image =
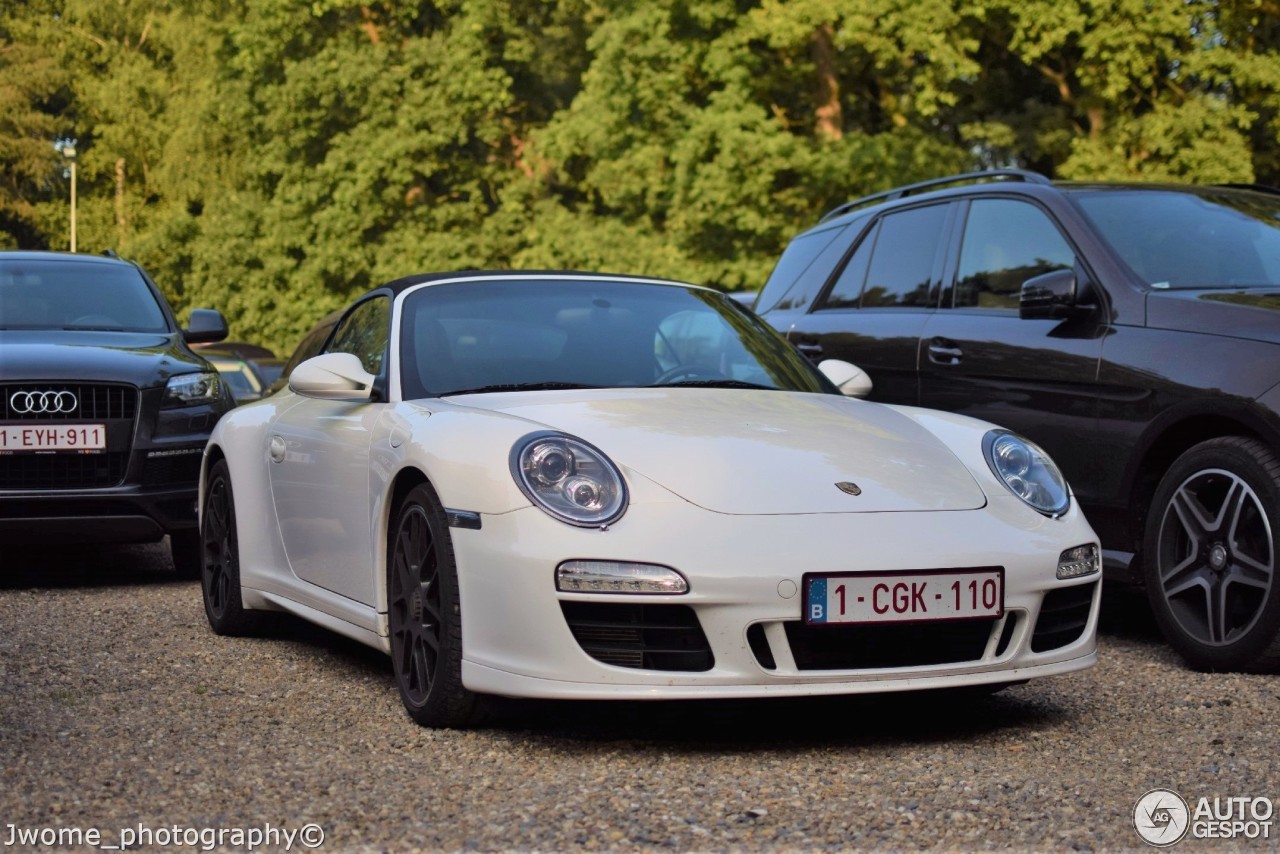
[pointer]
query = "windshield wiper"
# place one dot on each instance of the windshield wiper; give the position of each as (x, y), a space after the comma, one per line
(540, 386)
(720, 383)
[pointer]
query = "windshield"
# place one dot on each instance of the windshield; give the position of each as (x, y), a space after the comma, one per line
(1208, 239)
(70, 294)
(592, 333)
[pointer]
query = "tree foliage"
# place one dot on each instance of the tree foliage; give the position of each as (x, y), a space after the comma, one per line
(274, 159)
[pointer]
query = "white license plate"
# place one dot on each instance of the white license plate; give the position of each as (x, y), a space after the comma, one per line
(15, 438)
(892, 597)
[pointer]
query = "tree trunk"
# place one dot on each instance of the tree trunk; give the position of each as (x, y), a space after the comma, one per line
(121, 223)
(829, 124)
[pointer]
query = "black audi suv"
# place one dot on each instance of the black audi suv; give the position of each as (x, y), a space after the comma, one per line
(1132, 330)
(104, 409)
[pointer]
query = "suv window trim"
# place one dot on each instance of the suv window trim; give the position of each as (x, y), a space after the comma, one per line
(836, 231)
(940, 259)
(1085, 286)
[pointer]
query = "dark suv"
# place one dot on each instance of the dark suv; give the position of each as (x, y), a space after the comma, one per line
(1132, 330)
(104, 410)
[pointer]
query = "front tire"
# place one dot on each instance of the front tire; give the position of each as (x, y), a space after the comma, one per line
(1211, 549)
(220, 574)
(424, 612)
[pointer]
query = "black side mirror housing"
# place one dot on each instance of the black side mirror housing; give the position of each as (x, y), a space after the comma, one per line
(206, 327)
(1050, 296)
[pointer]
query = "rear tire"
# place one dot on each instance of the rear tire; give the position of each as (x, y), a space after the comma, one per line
(220, 573)
(424, 612)
(1211, 549)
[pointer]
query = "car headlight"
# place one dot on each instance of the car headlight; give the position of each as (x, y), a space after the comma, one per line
(569, 479)
(190, 389)
(1027, 471)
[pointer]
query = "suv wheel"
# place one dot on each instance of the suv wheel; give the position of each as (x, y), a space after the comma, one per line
(1211, 555)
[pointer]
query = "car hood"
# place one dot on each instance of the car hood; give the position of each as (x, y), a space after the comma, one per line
(758, 452)
(1252, 313)
(140, 358)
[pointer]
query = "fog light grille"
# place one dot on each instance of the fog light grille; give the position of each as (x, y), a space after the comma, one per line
(1064, 614)
(641, 636)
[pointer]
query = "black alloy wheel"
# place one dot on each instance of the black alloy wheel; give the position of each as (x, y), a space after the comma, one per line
(1210, 556)
(220, 575)
(425, 615)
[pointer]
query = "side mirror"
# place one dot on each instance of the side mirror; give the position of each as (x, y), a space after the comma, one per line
(206, 327)
(1050, 296)
(850, 379)
(333, 376)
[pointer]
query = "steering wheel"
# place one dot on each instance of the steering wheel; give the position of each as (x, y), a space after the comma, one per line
(688, 372)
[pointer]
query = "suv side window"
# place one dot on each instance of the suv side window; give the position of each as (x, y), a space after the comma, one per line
(802, 270)
(894, 264)
(365, 332)
(1005, 243)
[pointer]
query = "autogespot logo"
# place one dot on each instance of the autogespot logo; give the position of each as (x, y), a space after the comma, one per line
(1161, 817)
(43, 402)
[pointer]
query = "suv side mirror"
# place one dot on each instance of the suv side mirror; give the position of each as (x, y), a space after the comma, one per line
(206, 327)
(1050, 296)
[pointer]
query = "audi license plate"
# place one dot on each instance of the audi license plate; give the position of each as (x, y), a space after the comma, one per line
(52, 438)
(889, 597)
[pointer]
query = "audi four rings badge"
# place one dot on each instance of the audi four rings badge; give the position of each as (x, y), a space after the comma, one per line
(43, 402)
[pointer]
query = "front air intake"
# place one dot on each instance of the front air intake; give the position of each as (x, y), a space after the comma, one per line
(1064, 614)
(641, 636)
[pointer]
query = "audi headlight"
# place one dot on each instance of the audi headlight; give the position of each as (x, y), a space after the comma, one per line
(1027, 471)
(569, 479)
(190, 389)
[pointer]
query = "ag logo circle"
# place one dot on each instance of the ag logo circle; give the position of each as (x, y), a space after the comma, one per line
(43, 402)
(1161, 817)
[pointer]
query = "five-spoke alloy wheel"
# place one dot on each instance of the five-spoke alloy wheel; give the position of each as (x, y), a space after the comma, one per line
(425, 614)
(1211, 555)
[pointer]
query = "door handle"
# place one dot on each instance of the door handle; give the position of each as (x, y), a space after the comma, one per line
(811, 351)
(944, 352)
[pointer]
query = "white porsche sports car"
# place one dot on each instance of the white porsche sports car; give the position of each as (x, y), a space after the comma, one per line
(565, 485)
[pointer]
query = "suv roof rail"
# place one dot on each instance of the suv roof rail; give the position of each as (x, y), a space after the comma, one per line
(935, 183)
(1257, 188)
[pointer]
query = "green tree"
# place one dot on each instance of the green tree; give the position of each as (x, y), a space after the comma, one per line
(1131, 89)
(33, 95)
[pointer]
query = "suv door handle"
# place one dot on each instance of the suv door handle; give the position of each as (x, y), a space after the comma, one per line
(944, 352)
(811, 351)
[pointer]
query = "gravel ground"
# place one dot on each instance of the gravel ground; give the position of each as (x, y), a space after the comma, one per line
(119, 708)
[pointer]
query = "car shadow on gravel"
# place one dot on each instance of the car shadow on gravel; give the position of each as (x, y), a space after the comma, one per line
(811, 722)
(1126, 614)
(912, 717)
(58, 565)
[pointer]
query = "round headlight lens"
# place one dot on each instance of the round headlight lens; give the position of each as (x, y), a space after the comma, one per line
(569, 479)
(1027, 471)
(550, 463)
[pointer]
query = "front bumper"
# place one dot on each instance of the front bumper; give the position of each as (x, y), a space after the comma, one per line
(745, 579)
(124, 514)
(143, 485)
